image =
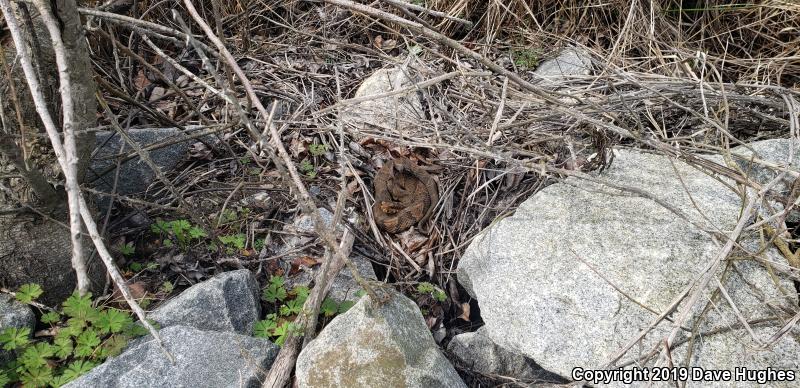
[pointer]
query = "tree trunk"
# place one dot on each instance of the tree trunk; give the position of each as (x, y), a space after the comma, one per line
(22, 131)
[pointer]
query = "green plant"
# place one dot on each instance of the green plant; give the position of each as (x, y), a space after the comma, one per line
(229, 215)
(127, 249)
(259, 243)
(28, 292)
(182, 230)
(139, 267)
(167, 287)
(277, 326)
(307, 168)
(84, 337)
(526, 58)
(233, 241)
(317, 149)
(275, 291)
(429, 289)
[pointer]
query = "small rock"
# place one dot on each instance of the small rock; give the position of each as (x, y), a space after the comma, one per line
(570, 62)
(305, 224)
(344, 286)
(477, 351)
(202, 359)
(228, 302)
(260, 200)
(371, 346)
(398, 112)
(14, 314)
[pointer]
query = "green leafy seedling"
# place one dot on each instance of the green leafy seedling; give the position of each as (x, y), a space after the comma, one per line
(167, 287)
(197, 233)
(160, 227)
(135, 267)
(183, 231)
(526, 58)
(51, 317)
(77, 369)
(317, 149)
(275, 291)
(127, 249)
(283, 331)
(88, 336)
(39, 377)
(301, 293)
(112, 321)
(14, 338)
(307, 168)
(329, 307)
(264, 328)
(232, 241)
(229, 215)
(345, 305)
(28, 292)
(259, 243)
(292, 307)
(433, 291)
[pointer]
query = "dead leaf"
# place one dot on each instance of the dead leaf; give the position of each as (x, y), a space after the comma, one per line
(141, 81)
(138, 291)
(297, 145)
(430, 322)
(306, 261)
(353, 187)
(464, 312)
(302, 262)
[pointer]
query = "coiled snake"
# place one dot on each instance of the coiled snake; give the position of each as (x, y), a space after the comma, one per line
(405, 195)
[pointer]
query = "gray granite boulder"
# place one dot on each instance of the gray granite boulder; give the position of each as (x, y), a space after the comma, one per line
(227, 302)
(371, 346)
(14, 314)
(35, 250)
(135, 175)
(202, 359)
(582, 268)
(397, 112)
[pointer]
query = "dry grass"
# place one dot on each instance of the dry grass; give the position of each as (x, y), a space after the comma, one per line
(748, 41)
